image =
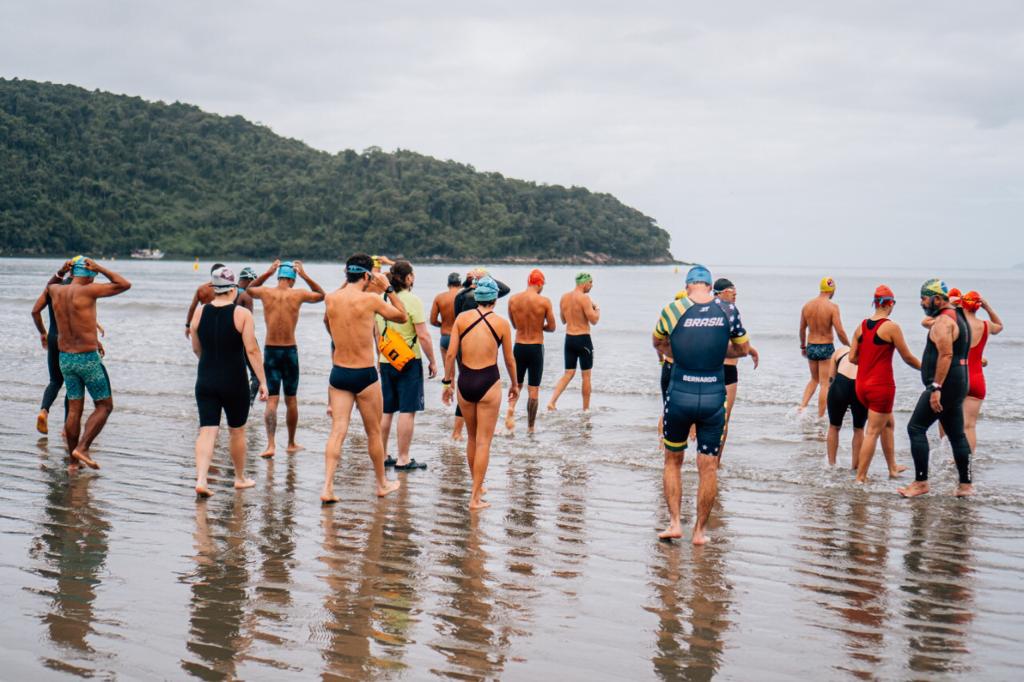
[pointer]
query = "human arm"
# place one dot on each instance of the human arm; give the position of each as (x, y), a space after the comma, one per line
(503, 289)
(191, 312)
(117, 284)
(392, 309)
(435, 312)
(941, 335)
(592, 312)
(549, 316)
(245, 300)
(739, 340)
(193, 331)
(995, 324)
(833, 367)
(837, 322)
(254, 286)
(855, 347)
(449, 365)
(423, 335)
(896, 332)
(37, 315)
(510, 365)
(661, 346)
(316, 292)
(738, 350)
(803, 332)
(252, 349)
(100, 329)
(927, 322)
(755, 356)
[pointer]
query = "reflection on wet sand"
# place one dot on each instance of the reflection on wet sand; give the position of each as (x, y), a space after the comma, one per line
(850, 538)
(72, 545)
(940, 606)
(372, 576)
(219, 593)
(693, 598)
(570, 519)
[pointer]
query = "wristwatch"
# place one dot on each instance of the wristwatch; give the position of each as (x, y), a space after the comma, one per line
(389, 290)
(935, 387)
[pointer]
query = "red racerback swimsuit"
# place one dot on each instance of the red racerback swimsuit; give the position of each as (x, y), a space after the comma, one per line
(876, 386)
(975, 373)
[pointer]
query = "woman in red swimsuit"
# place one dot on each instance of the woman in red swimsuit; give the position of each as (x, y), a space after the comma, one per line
(873, 344)
(972, 302)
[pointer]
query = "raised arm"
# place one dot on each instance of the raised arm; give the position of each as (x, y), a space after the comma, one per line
(254, 286)
(995, 324)
(392, 309)
(837, 322)
(503, 288)
(117, 284)
(316, 292)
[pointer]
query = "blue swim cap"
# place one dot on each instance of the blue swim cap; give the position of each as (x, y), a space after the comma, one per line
(486, 290)
(698, 274)
(286, 270)
(79, 269)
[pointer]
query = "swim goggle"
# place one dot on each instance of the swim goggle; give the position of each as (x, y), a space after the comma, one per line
(356, 270)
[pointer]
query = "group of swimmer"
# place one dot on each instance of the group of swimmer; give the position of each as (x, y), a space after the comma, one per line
(379, 339)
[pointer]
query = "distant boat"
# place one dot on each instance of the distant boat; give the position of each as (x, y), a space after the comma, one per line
(148, 254)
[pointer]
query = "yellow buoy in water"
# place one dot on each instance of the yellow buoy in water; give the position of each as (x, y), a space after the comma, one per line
(195, 266)
(677, 269)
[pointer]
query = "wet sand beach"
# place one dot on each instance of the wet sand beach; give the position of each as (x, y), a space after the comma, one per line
(122, 573)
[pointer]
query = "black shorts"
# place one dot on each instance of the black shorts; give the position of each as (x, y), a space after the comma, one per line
(281, 364)
(352, 380)
(529, 360)
(842, 396)
(579, 349)
(403, 391)
(732, 374)
(232, 399)
(666, 378)
(704, 408)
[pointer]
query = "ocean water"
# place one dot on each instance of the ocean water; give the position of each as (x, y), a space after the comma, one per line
(122, 573)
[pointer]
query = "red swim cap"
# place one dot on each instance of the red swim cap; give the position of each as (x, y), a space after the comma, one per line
(883, 295)
(536, 278)
(971, 301)
(954, 295)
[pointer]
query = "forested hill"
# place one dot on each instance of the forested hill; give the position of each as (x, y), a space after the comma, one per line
(104, 174)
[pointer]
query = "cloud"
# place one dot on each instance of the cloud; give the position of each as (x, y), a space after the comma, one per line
(870, 132)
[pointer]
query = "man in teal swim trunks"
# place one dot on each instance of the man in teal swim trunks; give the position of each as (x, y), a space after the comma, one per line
(818, 318)
(74, 308)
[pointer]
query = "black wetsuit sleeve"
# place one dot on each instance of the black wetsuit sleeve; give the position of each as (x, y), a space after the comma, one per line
(503, 289)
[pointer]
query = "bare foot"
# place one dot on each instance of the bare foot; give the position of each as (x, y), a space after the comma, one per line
(479, 504)
(964, 490)
(551, 407)
(41, 425)
(295, 447)
(244, 483)
(456, 436)
(914, 489)
(203, 491)
(269, 452)
(698, 537)
(860, 481)
(673, 532)
(899, 470)
(389, 487)
(82, 456)
(510, 423)
(328, 499)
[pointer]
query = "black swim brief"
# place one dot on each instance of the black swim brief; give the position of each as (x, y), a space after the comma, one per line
(732, 374)
(820, 351)
(352, 380)
(579, 349)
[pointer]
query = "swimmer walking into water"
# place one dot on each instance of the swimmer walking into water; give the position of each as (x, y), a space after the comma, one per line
(972, 302)
(476, 338)
(873, 344)
(223, 336)
(74, 308)
(726, 290)
(698, 332)
(578, 313)
(350, 319)
(531, 315)
(280, 354)
(818, 318)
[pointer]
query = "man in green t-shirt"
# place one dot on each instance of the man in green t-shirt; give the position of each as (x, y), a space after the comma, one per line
(403, 390)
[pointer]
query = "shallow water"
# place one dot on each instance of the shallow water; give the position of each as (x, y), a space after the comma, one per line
(121, 573)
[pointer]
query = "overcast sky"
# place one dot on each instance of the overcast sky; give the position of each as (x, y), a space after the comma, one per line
(799, 133)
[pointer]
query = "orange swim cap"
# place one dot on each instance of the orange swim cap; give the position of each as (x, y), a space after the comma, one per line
(884, 296)
(536, 278)
(971, 301)
(954, 295)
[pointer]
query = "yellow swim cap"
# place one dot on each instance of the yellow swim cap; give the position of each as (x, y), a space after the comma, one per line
(827, 285)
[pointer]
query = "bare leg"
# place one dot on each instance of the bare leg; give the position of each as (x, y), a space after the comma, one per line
(510, 414)
(97, 420)
(586, 389)
(291, 403)
(457, 428)
(270, 421)
(730, 400)
(406, 426)
(73, 425)
(237, 447)
(832, 445)
(707, 470)
(876, 422)
(532, 405)
(889, 448)
(341, 413)
(812, 384)
(823, 377)
(563, 381)
(469, 414)
(672, 483)
(204, 455)
(857, 444)
(972, 408)
(484, 419)
(371, 405)
(385, 432)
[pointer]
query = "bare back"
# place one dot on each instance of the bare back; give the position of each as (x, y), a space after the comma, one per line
(820, 316)
(281, 314)
(444, 303)
(74, 308)
(576, 308)
(350, 319)
(977, 328)
(531, 314)
(478, 347)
